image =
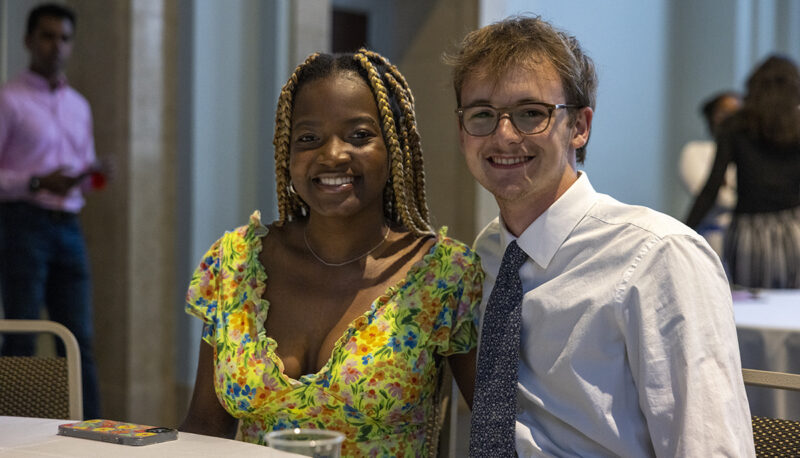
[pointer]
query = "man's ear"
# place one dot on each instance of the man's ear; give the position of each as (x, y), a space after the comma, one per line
(582, 127)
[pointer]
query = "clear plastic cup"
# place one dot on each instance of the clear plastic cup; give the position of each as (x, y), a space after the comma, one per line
(319, 443)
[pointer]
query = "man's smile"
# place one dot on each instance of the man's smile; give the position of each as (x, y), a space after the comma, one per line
(509, 161)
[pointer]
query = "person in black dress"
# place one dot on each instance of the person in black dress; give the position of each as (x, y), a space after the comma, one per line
(762, 247)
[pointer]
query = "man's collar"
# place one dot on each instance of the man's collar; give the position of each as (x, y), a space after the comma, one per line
(542, 239)
(40, 82)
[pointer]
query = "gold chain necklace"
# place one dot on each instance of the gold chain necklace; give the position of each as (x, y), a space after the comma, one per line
(338, 264)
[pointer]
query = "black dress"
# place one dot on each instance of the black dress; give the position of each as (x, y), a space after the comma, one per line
(762, 246)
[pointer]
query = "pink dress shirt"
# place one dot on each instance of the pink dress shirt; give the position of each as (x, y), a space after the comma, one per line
(41, 130)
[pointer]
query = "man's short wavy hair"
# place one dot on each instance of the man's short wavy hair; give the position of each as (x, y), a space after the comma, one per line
(494, 50)
(55, 10)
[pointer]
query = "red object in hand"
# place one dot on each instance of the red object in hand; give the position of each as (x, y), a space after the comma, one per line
(98, 180)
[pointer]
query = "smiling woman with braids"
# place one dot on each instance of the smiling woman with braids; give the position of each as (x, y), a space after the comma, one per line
(339, 315)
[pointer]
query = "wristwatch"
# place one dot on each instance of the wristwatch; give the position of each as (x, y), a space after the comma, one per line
(34, 184)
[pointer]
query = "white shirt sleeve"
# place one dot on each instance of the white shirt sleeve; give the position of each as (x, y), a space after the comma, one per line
(683, 350)
(695, 164)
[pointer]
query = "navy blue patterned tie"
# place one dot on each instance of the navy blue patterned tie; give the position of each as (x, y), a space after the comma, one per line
(494, 408)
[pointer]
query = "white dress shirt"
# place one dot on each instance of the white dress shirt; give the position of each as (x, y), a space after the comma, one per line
(695, 163)
(628, 345)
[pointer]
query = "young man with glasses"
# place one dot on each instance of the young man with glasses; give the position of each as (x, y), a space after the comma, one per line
(606, 329)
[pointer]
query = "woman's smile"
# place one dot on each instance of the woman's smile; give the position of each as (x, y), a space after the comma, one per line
(336, 183)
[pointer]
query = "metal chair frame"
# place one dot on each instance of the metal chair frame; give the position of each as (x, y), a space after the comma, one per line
(765, 429)
(73, 355)
(770, 379)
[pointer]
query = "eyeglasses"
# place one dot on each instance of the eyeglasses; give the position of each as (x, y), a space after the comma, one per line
(528, 118)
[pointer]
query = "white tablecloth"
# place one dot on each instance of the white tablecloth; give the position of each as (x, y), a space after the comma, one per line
(36, 437)
(768, 327)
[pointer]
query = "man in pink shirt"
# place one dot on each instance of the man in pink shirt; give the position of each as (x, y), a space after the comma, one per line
(46, 155)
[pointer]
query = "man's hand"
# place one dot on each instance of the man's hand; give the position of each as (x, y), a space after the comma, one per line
(105, 166)
(99, 173)
(58, 183)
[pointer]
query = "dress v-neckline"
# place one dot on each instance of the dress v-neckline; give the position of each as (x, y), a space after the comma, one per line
(260, 232)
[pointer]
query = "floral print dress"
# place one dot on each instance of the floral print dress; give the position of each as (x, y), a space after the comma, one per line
(379, 386)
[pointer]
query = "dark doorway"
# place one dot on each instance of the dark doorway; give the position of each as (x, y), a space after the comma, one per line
(349, 30)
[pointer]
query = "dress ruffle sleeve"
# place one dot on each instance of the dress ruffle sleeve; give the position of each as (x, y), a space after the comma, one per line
(460, 289)
(203, 293)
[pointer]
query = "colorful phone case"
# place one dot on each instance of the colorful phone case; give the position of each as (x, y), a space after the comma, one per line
(118, 432)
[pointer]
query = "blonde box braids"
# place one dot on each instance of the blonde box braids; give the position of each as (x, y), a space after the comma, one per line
(404, 195)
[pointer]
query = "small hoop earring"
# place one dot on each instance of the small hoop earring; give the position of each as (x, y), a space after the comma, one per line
(388, 200)
(291, 189)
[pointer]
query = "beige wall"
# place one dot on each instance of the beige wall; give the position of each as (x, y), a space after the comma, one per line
(124, 64)
(450, 186)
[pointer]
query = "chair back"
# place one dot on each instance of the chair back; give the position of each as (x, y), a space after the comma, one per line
(37, 386)
(774, 436)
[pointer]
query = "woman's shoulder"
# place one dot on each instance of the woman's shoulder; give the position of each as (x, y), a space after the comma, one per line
(446, 242)
(734, 125)
(242, 238)
(454, 251)
(253, 229)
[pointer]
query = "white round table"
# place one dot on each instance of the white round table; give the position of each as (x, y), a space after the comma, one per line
(37, 437)
(768, 327)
